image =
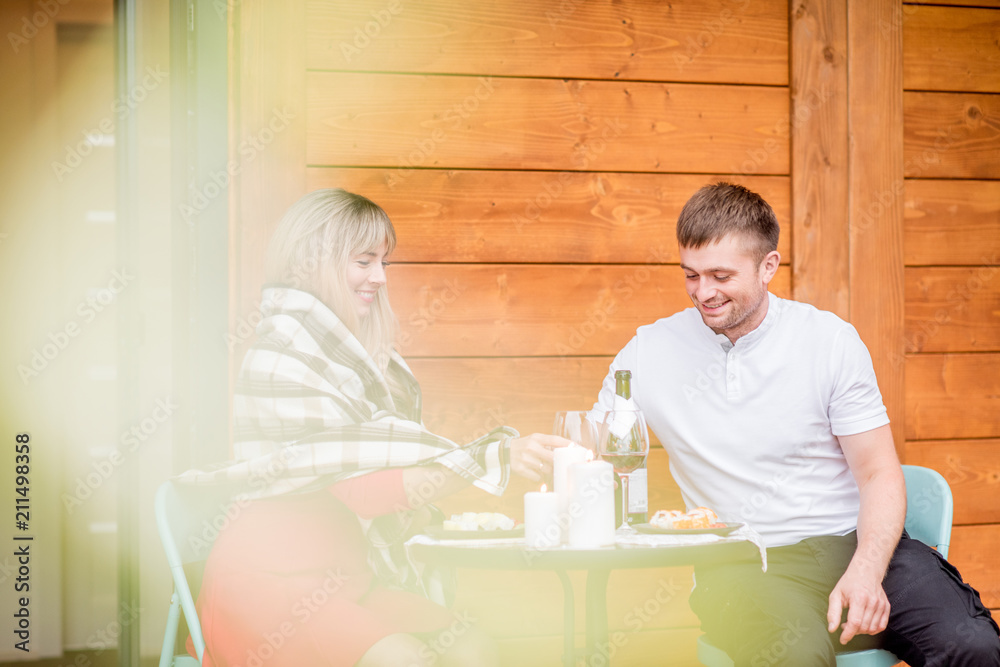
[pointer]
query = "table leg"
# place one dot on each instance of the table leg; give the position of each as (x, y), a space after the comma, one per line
(597, 612)
(569, 621)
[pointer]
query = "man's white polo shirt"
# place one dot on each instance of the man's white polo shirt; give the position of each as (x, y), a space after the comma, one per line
(750, 428)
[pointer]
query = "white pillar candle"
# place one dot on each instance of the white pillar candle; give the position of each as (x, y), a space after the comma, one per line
(562, 459)
(542, 529)
(591, 505)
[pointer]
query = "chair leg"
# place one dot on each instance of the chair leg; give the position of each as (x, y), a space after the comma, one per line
(170, 635)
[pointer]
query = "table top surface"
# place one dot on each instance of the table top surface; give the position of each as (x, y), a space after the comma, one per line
(517, 556)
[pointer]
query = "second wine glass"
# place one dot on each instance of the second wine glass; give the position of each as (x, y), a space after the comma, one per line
(624, 443)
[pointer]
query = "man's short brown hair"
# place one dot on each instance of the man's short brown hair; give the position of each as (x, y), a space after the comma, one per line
(716, 211)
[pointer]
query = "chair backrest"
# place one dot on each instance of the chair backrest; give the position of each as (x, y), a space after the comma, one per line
(929, 507)
(188, 519)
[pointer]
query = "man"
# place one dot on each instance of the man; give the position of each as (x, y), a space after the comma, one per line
(771, 414)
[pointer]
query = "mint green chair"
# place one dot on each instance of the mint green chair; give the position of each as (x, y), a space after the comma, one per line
(929, 509)
(188, 519)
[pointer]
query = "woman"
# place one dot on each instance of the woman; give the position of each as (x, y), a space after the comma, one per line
(330, 443)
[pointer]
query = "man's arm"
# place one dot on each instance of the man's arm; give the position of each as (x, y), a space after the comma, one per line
(875, 466)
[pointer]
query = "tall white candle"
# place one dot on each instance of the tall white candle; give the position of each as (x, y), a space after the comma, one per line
(591, 506)
(542, 529)
(562, 459)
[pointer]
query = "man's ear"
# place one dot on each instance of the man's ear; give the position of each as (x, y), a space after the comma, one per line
(769, 265)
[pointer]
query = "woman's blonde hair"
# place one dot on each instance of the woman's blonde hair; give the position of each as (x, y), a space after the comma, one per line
(311, 249)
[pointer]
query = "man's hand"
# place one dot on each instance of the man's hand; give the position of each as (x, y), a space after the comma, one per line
(867, 605)
(531, 456)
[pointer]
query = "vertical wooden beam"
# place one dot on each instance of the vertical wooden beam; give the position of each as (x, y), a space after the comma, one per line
(875, 108)
(819, 229)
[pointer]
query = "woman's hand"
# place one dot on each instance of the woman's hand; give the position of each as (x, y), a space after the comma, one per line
(531, 456)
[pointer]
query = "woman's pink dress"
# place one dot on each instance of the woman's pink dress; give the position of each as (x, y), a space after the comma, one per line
(288, 583)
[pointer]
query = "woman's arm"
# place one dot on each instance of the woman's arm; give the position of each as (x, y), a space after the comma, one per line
(530, 457)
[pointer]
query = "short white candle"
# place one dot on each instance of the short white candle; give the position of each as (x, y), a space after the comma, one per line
(542, 529)
(591, 505)
(562, 459)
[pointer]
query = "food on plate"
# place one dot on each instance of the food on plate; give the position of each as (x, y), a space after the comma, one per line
(479, 521)
(700, 517)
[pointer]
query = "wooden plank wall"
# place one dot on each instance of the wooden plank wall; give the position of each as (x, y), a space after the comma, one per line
(534, 158)
(951, 144)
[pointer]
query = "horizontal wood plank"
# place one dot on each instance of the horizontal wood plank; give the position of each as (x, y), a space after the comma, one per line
(533, 309)
(952, 396)
(951, 48)
(517, 216)
(487, 122)
(953, 309)
(974, 552)
(729, 41)
(951, 135)
(465, 398)
(952, 222)
(972, 468)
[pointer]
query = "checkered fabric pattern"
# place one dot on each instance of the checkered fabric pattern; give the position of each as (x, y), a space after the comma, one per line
(312, 408)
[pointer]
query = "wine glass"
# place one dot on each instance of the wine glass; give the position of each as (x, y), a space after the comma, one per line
(579, 426)
(624, 443)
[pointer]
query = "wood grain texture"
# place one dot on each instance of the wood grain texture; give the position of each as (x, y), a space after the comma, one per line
(820, 271)
(951, 135)
(972, 468)
(533, 309)
(953, 309)
(465, 398)
(974, 552)
(952, 222)
(953, 396)
(951, 48)
(560, 217)
(724, 41)
(92, 12)
(876, 194)
(487, 122)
